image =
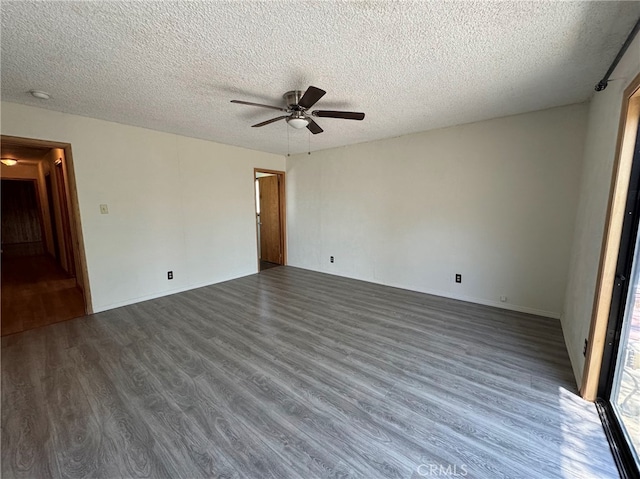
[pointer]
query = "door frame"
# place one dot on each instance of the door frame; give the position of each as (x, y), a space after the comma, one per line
(75, 224)
(282, 206)
(49, 186)
(65, 217)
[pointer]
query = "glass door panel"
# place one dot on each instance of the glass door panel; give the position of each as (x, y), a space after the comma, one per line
(625, 392)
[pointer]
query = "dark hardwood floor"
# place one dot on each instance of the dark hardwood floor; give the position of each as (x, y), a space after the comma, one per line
(264, 265)
(295, 374)
(36, 292)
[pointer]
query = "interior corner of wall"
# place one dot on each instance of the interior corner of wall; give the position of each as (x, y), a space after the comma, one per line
(576, 365)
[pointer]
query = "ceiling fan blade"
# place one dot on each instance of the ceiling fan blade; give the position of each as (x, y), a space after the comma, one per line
(313, 127)
(258, 104)
(310, 97)
(346, 115)
(269, 121)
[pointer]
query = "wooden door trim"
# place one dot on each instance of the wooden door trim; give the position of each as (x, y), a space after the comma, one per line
(611, 239)
(82, 273)
(65, 217)
(282, 207)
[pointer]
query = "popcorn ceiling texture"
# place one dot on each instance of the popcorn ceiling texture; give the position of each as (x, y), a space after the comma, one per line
(410, 66)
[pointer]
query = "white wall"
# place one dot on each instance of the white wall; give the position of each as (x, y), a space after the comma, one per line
(494, 201)
(175, 203)
(599, 156)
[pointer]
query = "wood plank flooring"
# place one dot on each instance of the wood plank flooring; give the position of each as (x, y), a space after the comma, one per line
(35, 292)
(296, 374)
(264, 265)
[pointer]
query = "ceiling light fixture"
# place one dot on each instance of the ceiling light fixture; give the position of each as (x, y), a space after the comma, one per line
(40, 95)
(8, 161)
(298, 120)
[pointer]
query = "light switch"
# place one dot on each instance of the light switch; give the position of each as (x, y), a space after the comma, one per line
(104, 210)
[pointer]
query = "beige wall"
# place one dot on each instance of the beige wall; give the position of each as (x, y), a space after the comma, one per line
(595, 185)
(175, 203)
(494, 201)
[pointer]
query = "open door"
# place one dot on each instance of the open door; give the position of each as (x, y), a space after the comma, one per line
(270, 218)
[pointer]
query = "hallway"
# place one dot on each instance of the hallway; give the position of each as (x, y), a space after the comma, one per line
(37, 292)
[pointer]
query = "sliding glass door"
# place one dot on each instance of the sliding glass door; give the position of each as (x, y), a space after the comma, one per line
(619, 390)
(625, 387)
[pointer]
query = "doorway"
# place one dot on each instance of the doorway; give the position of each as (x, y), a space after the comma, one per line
(43, 268)
(270, 218)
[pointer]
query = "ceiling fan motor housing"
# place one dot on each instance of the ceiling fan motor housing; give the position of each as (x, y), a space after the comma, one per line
(292, 98)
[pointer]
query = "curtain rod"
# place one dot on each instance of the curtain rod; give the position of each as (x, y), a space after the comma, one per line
(602, 84)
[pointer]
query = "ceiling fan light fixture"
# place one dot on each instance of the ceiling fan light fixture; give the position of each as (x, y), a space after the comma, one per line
(9, 161)
(298, 122)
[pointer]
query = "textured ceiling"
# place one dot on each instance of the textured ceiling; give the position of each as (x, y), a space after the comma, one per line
(410, 66)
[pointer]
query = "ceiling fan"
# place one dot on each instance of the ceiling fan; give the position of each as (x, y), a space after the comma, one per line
(296, 108)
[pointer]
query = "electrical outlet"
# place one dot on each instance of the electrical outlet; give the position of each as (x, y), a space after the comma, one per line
(458, 278)
(331, 259)
(104, 210)
(169, 274)
(503, 299)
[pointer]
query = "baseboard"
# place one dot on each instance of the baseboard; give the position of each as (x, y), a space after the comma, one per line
(468, 299)
(507, 306)
(443, 294)
(139, 299)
